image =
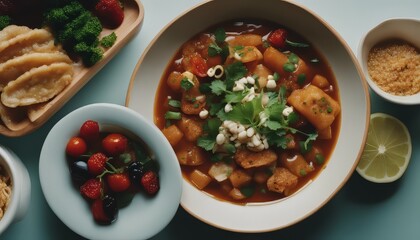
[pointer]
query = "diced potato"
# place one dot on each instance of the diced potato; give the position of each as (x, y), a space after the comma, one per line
(190, 155)
(315, 105)
(191, 128)
(246, 40)
(200, 179)
(325, 133)
(274, 59)
(262, 72)
(296, 164)
(236, 194)
(249, 159)
(220, 171)
(292, 143)
(174, 81)
(239, 178)
(282, 181)
(320, 81)
(173, 134)
(246, 54)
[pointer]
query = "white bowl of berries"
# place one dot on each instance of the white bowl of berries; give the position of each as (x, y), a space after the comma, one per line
(115, 169)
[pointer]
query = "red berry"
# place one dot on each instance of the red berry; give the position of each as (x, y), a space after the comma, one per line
(98, 212)
(76, 146)
(96, 163)
(89, 130)
(110, 13)
(277, 38)
(150, 182)
(118, 182)
(114, 144)
(91, 189)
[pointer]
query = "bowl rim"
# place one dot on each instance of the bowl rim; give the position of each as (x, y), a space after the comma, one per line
(143, 128)
(362, 82)
(362, 52)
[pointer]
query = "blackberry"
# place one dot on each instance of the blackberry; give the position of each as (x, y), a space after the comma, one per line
(135, 171)
(110, 207)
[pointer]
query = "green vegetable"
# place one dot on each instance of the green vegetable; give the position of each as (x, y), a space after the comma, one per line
(220, 35)
(302, 172)
(234, 72)
(305, 147)
(77, 29)
(319, 159)
(174, 103)
(108, 40)
(4, 21)
(214, 50)
(301, 78)
(296, 44)
(172, 115)
(247, 191)
(289, 67)
(218, 87)
(186, 84)
(293, 58)
(211, 129)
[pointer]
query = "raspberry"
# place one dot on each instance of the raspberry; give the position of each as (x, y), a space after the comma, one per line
(150, 182)
(96, 163)
(91, 189)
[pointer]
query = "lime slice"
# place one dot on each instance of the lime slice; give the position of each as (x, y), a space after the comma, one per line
(387, 151)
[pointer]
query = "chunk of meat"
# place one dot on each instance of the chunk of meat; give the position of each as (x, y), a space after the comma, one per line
(315, 105)
(249, 159)
(282, 181)
(191, 128)
(239, 178)
(296, 164)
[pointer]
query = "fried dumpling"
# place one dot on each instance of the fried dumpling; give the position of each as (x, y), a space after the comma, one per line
(37, 85)
(12, 31)
(24, 43)
(17, 66)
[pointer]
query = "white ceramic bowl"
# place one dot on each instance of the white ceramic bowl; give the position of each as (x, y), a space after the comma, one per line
(143, 217)
(400, 28)
(21, 187)
(353, 95)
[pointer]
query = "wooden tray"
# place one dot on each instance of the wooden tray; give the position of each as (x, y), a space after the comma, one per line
(133, 19)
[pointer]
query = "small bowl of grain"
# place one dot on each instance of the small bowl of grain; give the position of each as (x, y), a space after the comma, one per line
(15, 188)
(390, 58)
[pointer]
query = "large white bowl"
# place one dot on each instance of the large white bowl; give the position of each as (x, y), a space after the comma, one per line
(396, 28)
(144, 216)
(353, 95)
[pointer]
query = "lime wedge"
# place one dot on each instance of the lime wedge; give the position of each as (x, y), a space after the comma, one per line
(387, 151)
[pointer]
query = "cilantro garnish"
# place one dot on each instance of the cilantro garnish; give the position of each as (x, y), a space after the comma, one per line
(211, 129)
(234, 72)
(186, 84)
(220, 35)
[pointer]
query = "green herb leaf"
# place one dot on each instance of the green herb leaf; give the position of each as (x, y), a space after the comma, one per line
(289, 67)
(218, 87)
(292, 118)
(293, 58)
(301, 78)
(214, 50)
(215, 108)
(220, 35)
(234, 72)
(246, 113)
(247, 191)
(273, 125)
(206, 142)
(319, 159)
(235, 97)
(205, 88)
(276, 76)
(186, 84)
(296, 44)
(230, 148)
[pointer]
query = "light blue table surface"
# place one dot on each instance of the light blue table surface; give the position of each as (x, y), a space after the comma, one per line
(361, 210)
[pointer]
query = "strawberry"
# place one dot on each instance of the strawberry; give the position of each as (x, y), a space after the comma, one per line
(89, 130)
(150, 182)
(118, 182)
(91, 189)
(277, 38)
(96, 163)
(98, 212)
(110, 13)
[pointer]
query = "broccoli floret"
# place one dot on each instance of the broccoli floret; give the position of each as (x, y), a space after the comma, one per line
(4, 21)
(90, 54)
(71, 29)
(89, 33)
(109, 40)
(58, 17)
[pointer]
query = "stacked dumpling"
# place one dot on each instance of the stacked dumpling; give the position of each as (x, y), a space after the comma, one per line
(32, 70)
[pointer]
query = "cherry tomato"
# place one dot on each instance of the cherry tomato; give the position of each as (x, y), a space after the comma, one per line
(114, 144)
(118, 182)
(277, 38)
(196, 64)
(76, 146)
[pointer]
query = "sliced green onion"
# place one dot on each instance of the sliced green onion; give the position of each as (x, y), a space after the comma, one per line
(296, 44)
(174, 103)
(289, 67)
(276, 76)
(319, 159)
(293, 58)
(301, 78)
(172, 115)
